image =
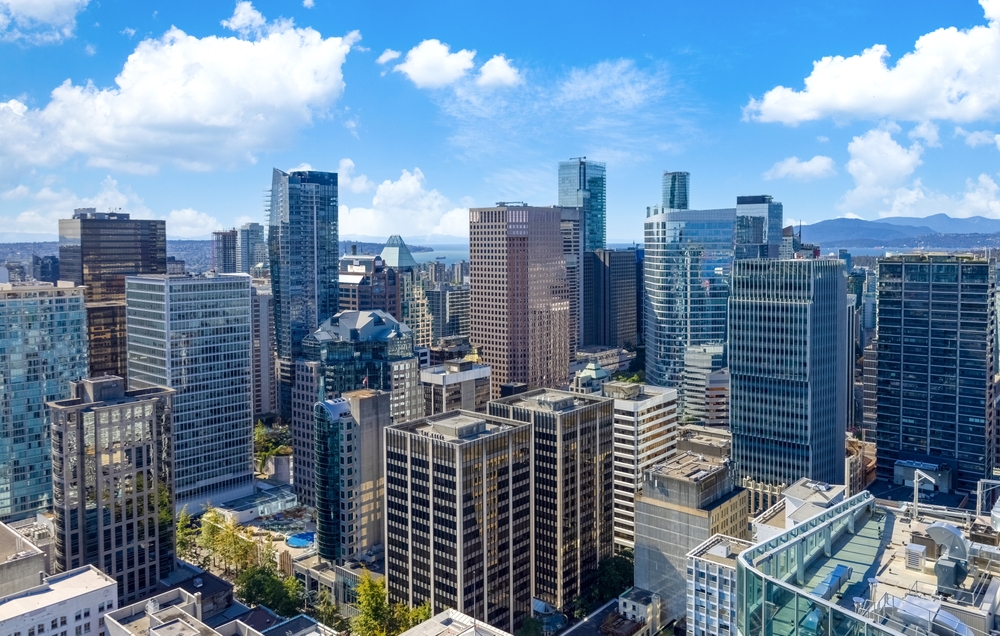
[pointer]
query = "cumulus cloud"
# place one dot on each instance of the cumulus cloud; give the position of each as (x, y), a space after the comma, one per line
(39, 21)
(406, 203)
(878, 165)
(128, 32)
(951, 74)
(196, 103)
(308, 4)
(498, 71)
(190, 223)
(388, 55)
(347, 180)
(927, 132)
(431, 64)
(819, 167)
(981, 197)
(978, 137)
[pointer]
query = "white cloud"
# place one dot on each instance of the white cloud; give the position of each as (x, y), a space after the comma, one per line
(951, 74)
(406, 206)
(822, 139)
(980, 198)
(388, 55)
(190, 223)
(196, 103)
(39, 21)
(245, 20)
(878, 165)
(46, 206)
(90, 50)
(617, 83)
(128, 31)
(928, 132)
(431, 64)
(347, 180)
(497, 72)
(19, 192)
(302, 166)
(819, 167)
(308, 4)
(978, 137)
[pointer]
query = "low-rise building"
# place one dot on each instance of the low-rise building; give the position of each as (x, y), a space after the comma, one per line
(20, 562)
(72, 603)
(453, 623)
(711, 586)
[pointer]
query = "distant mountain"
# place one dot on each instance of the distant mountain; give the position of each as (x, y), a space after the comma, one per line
(845, 232)
(27, 237)
(944, 224)
(426, 240)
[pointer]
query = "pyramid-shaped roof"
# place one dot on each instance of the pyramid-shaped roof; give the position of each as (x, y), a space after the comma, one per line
(396, 254)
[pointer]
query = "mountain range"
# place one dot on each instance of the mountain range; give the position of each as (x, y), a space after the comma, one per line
(939, 230)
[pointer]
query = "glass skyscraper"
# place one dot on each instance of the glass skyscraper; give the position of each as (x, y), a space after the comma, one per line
(688, 258)
(758, 226)
(936, 360)
(675, 190)
(250, 247)
(304, 249)
(43, 347)
(583, 184)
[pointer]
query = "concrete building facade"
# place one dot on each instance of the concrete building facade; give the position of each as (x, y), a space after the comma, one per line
(456, 385)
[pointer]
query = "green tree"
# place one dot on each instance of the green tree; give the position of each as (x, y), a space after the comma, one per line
(327, 612)
(187, 535)
(530, 626)
(374, 612)
(262, 586)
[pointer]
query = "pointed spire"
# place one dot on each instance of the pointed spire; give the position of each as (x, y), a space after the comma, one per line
(396, 254)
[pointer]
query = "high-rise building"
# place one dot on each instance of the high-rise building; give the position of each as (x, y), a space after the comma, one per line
(573, 228)
(350, 351)
(349, 473)
(458, 496)
(225, 251)
(645, 435)
(367, 284)
(412, 285)
(457, 384)
(195, 336)
(520, 316)
(98, 250)
(573, 487)
(700, 361)
(43, 348)
(250, 247)
(45, 269)
(870, 394)
(583, 184)
(265, 378)
(717, 399)
(789, 371)
(936, 360)
(304, 250)
(609, 306)
(449, 308)
(675, 190)
(112, 483)
(711, 584)
(688, 259)
(758, 227)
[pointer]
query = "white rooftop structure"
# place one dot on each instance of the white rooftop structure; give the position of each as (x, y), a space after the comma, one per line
(453, 623)
(60, 595)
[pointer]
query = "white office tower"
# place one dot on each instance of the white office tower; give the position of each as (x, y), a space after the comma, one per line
(194, 336)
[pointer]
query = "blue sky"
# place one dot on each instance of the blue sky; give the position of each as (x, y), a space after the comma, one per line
(179, 110)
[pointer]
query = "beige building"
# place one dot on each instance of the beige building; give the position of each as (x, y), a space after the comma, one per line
(456, 384)
(520, 313)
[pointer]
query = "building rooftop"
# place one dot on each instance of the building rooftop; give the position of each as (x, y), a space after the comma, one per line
(720, 549)
(818, 493)
(631, 392)
(56, 589)
(453, 623)
(359, 326)
(14, 546)
(690, 466)
(459, 427)
(396, 254)
(454, 371)
(551, 400)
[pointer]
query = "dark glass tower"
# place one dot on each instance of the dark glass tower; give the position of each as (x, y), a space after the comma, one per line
(98, 250)
(675, 190)
(304, 247)
(583, 184)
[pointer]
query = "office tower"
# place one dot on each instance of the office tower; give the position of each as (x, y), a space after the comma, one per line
(688, 259)
(711, 586)
(225, 251)
(98, 250)
(195, 335)
(520, 317)
(304, 250)
(645, 435)
(413, 308)
(350, 351)
(367, 284)
(112, 483)
(265, 379)
(250, 246)
(43, 347)
(845, 256)
(717, 399)
(936, 360)
(788, 370)
(870, 399)
(449, 307)
(458, 516)
(758, 227)
(583, 184)
(45, 269)
(349, 473)
(573, 489)
(573, 229)
(456, 384)
(700, 361)
(60, 603)
(609, 283)
(175, 267)
(675, 190)
(640, 296)
(682, 502)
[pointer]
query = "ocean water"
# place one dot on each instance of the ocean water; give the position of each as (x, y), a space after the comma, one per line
(447, 254)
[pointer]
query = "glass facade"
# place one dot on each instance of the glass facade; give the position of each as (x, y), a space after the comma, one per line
(675, 190)
(688, 257)
(788, 370)
(250, 247)
(194, 335)
(583, 184)
(43, 347)
(758, 226)
(935, 362)
(332, 419)
(304, 251)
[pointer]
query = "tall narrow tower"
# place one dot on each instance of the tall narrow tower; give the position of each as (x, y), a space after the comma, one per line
(583, 184)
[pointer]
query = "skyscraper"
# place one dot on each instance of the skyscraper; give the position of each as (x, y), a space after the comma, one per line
(250, 247)
(113, 483)
(573, 229)
(454, 385)
(789, 371)
(304, 250)
(675, 190)
(609, 306)
(573, 488)
(520, 317)
(583, 184)
(43, 347)
(194, 335)
(413, 307)
(688, 259)
(225, 251)
(758, 227)
(367, 284)
(935, 364)
(458, 516)
(700, 361)
(449, 309)
(265, 381)
(98, 250)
